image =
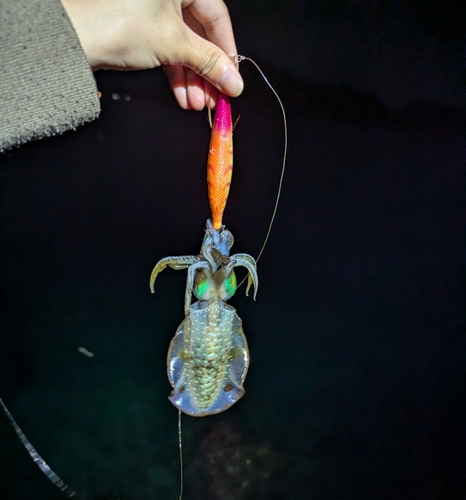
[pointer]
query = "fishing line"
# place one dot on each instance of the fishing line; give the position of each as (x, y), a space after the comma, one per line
(38, 460)
(236, 60)
(56, 480)
(180, 447)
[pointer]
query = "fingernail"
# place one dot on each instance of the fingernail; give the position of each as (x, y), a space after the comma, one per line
(232, 83)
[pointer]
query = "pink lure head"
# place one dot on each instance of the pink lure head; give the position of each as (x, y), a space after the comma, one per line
(222, 120)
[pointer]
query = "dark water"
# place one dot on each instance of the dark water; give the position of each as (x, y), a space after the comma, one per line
(357, 378)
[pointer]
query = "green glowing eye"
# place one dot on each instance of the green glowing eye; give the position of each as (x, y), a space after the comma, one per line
(201, 288)
(230, 284)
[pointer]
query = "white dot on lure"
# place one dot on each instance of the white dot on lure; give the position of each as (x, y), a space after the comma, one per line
(84, 351)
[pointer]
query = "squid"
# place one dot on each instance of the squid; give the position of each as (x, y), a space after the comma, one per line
(208, 358)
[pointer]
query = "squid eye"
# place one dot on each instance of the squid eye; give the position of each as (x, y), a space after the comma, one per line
(230, 285)
(201, 287)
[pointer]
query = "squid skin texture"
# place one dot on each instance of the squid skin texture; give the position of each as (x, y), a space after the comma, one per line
(208, 360)
(220, 160)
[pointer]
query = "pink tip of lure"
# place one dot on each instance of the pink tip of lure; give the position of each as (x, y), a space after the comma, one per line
(220, 160)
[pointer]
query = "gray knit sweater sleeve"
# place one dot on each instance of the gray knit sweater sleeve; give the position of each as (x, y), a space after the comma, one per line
(46, 84)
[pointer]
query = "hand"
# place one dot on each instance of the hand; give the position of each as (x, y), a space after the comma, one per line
(192, 39)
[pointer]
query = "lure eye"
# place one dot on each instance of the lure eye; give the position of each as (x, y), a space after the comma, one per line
(229, 286)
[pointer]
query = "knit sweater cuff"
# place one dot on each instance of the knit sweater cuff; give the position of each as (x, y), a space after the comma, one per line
(46, 84)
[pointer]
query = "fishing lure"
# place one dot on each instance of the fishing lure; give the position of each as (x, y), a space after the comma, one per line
(208, 357)
(220, 160)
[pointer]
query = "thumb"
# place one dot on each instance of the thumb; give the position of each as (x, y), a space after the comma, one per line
(211, 63)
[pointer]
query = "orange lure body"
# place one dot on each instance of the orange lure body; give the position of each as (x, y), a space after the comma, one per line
(220, 160)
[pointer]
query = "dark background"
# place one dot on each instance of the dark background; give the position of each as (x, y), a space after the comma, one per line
(357, 377)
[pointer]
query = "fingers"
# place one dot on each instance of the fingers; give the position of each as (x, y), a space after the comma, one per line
(195, 94)
(196, 57)
(195, 90)
(177, 80)
(211, 95)
(199, 92)
(214, 17)
(211, 62)
(190, 90)
(210, 30)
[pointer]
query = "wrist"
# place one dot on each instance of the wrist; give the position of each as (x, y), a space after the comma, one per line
(79, 16)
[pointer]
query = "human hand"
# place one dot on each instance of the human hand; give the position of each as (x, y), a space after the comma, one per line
(192, 39)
